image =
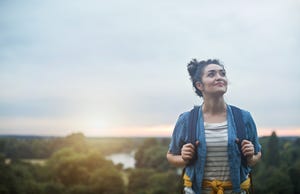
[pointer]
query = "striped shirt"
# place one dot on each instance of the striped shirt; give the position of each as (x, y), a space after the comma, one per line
(216, 166)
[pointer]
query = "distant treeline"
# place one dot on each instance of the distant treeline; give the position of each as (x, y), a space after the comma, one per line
(76, 164)
(42, 147)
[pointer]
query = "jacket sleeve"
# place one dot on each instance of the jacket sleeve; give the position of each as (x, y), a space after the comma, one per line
(179, 136)
(251, 131)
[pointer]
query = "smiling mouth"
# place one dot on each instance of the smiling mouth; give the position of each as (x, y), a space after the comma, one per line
(220, 84)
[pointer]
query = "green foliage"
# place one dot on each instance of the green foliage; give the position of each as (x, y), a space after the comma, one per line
(164, 183)
(26, 147)
(76, 141)
(6, 178)
(79, 189)
(272, 154)
(53, 187)
(149, 181)
(279, 169)
(138, 181)
(17, 179)
(107, 180)
(294, 174)
(153, 174)
(276, 182)
(76, 165)
(152, 154)
(73, 169)
(2, 159)
(85, 172)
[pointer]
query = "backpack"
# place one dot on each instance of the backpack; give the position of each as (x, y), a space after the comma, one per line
(241, 133)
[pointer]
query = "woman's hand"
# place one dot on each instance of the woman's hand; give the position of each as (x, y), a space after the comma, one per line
(188, 151)
(247, 148)
(248, 151)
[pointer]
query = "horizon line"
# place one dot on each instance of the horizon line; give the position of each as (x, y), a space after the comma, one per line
(117, 136)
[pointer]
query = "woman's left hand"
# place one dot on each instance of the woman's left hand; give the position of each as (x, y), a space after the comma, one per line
(247, 148)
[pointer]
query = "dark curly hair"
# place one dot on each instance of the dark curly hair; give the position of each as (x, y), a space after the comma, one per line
(195, 69)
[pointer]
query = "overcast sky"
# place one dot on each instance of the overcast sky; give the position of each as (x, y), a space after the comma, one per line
(119, 67)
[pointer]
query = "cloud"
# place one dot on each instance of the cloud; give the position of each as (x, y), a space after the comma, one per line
(123, 63)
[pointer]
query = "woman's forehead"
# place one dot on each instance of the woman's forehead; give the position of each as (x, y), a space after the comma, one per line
(213, 67)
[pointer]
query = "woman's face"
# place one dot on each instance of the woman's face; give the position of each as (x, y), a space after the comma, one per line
(214, 80)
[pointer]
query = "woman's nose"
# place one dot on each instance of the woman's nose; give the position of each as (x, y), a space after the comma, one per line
(218, 76)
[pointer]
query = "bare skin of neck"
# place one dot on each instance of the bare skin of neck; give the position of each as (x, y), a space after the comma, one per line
(214, 110)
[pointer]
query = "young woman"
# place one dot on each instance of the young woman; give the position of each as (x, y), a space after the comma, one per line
(217, 167)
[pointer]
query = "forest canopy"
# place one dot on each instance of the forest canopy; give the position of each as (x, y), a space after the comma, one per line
(76, 164)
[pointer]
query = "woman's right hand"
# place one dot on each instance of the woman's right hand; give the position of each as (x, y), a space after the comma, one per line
(188, 151)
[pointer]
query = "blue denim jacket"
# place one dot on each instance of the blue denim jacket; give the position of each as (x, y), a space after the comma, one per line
(238, 173)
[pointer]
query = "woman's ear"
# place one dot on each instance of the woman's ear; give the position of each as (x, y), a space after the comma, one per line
(199, 86)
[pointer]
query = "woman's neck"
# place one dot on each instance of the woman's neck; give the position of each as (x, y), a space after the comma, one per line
(214, 106)
(214, 111)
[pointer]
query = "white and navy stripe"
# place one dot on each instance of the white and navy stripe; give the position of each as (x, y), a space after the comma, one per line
(216, 165)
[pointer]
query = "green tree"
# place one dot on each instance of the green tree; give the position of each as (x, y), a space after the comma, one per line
(107, 180)
(149, 181)
(152, 154)
(53, 187)
(85, 172)
(6, 177)
(294, 173)
(164, 183)
(67, 167)
(18, 179)
(77, 141)
(278, 182)
(139, 181)
(272, 151)
(79, 189)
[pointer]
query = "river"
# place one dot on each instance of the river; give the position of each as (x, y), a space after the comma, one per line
(127, 159)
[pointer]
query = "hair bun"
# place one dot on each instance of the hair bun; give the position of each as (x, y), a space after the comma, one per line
(192, 67)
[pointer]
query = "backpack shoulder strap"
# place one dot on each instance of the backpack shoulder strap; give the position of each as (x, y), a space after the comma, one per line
(239, 122)
(193, 118)
(240, 128)
(241, 134)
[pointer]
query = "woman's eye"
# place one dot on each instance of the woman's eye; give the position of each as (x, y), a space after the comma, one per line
(211, 74)
(223, 73)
